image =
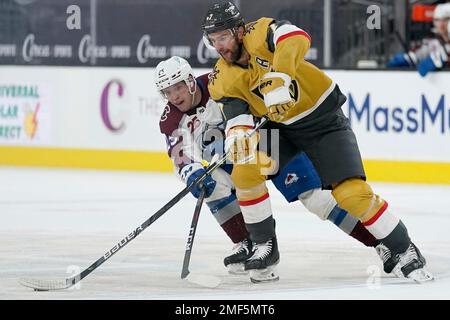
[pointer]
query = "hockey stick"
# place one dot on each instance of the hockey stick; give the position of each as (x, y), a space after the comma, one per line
(190, 240)
(60, 284)
(405, 47)
(202, 280)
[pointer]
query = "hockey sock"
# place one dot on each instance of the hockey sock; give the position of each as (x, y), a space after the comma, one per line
(262, 231)
(352, 226)
(388, 228)
(235, 228)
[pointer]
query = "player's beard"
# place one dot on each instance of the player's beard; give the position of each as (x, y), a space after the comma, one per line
(236, 53)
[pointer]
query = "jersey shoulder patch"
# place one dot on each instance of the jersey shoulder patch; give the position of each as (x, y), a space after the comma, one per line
(170, 119)
(255, 35)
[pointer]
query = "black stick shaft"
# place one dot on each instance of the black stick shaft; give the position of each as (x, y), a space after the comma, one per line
(190, 240)
(405, 47)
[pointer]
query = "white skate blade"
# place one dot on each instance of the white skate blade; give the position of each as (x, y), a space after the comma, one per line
(204, 280)
(397, 271)
(421, 275)
(264, 275)
(237, 269)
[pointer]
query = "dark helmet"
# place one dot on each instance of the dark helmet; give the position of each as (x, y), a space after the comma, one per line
(222, 16)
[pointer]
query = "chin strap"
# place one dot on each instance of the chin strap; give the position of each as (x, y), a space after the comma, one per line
(192, 92)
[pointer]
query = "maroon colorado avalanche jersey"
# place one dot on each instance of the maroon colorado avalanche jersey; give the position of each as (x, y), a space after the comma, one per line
(184, 130)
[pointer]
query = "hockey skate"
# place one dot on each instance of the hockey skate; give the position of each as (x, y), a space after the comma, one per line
(262, 264)
(235, 262)
(389, 261)
(412, 265)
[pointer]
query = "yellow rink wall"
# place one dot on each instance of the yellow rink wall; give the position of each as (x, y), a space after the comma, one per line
(376, 170)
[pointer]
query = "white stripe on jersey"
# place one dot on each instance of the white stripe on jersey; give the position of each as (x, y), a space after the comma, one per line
(284, 30)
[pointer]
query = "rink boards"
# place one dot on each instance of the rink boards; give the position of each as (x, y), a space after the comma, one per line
(107, 118)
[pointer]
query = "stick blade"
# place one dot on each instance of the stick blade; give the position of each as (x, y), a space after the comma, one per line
(204, 280)
(44, 284)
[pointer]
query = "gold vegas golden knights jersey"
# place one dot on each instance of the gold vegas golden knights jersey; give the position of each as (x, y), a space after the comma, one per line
(272, 46)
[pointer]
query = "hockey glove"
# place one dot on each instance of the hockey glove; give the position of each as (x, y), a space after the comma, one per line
(191, 172)
(275, 88)
(427, 65)
(436, 60)
(242, 147)
(399, 60)
(277, 112)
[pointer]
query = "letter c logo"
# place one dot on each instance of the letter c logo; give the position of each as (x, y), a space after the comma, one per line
(104, 105)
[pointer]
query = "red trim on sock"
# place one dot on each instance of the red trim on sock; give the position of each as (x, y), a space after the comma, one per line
(363, 235)
(254, 201)
(377, 215)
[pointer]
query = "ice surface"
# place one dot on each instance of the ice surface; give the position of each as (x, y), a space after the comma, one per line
(54, 223)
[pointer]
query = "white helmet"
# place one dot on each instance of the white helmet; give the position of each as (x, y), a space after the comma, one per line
(442, 11)
(171, 71)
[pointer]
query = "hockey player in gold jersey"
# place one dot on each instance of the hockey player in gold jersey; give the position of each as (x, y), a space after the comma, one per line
(262, 71)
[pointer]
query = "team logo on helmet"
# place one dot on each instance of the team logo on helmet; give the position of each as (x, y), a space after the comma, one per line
(222, 16)
(231, 9)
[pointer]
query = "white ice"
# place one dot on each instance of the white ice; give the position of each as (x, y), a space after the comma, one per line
(57, 222)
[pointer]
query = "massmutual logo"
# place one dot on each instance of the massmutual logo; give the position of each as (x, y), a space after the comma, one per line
(430, 114)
